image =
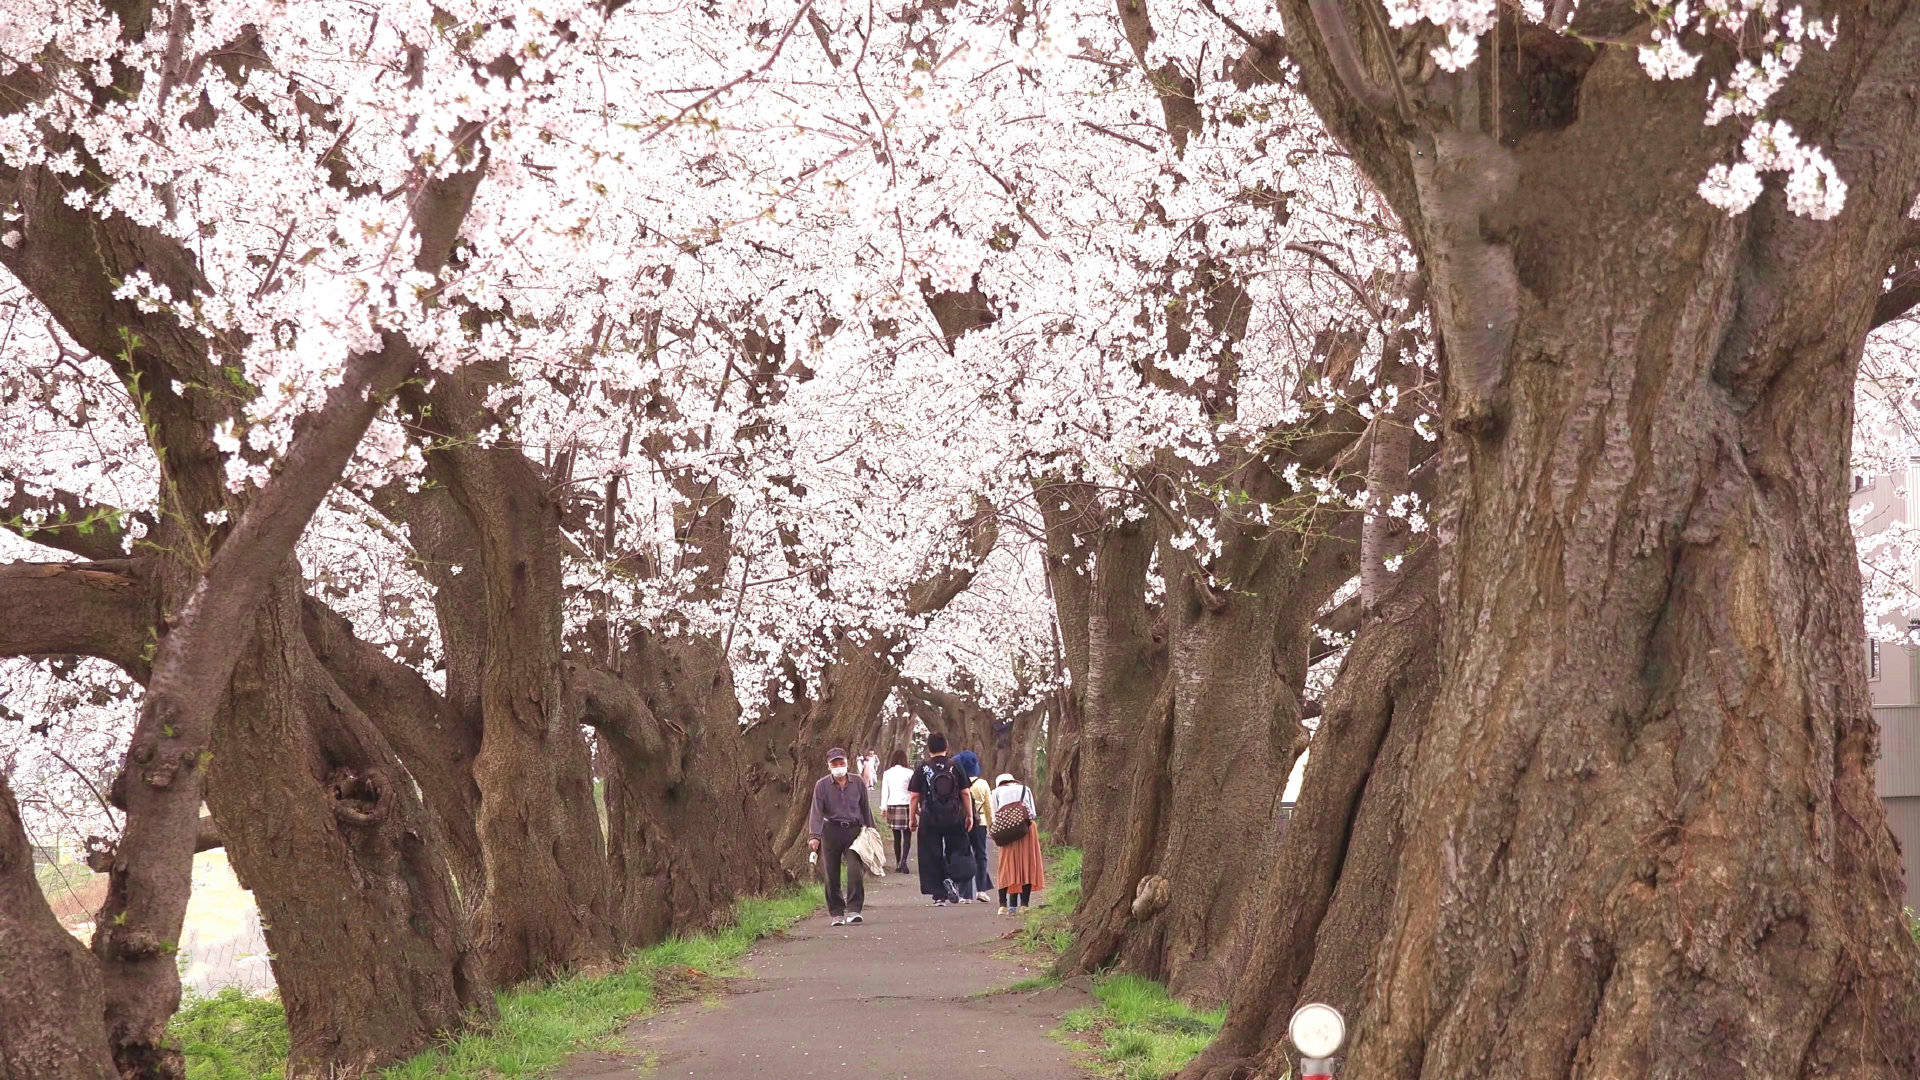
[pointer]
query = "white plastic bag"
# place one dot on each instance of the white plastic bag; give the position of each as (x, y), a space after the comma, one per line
(872, 851)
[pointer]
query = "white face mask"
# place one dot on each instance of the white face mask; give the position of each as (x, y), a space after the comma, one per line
(837, 770)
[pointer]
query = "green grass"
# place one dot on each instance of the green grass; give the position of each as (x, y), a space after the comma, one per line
(1134, 1031)
(1913, 923)
(1030, 983)
(1048, 931)
(1137, 1031)
(234, 1037)
(231, 1036)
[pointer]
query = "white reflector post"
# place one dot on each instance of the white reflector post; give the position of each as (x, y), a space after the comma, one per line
(1317, 1030)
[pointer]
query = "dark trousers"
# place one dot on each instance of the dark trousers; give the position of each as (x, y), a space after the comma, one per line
(982, 877)
(936, 844)
(836, 843)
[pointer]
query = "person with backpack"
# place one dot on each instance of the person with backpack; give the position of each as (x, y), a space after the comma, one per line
(835, 817)
(1016, 832)
(981, 888)
(940, 810)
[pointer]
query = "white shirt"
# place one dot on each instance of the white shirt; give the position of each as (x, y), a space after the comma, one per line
(1015, 792)
(893, 786)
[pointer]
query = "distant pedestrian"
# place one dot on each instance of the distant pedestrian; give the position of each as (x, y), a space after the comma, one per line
(941, 811)
(839, 810)
(870, 768)
(981, 798)
(1022, 869)
(898, 804)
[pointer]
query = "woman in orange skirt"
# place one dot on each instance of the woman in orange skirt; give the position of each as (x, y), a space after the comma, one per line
(1021, 869)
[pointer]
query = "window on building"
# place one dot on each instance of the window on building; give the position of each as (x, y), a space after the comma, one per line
(1873, 659)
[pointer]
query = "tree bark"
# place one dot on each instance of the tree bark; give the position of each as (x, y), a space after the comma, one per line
(545, 903)
(209, 581)
(139, 925)
(681, 838)
(1334, 881)
(101, 609)
(1645, 839)
(1127, 667)
(435, 741)
(51, 1012)
(320, 820)
(1072, 522)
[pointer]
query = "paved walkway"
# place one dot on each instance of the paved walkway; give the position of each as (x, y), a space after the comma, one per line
(902, 996)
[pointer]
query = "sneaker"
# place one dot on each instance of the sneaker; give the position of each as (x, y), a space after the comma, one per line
(1002, 911)
(985, 898)
(855, 919)
(838, 921)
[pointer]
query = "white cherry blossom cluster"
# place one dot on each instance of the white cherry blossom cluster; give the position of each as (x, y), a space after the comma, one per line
(1772, 43)
(1770, 39)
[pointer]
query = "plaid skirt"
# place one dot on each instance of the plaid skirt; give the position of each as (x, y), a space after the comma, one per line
(897, 817)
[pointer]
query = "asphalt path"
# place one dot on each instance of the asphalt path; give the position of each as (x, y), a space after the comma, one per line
(907, 995)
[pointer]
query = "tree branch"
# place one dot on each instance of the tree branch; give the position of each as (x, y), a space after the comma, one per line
(101, 609)
(67, 521)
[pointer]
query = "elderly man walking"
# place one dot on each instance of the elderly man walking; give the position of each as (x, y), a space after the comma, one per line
(838, 812)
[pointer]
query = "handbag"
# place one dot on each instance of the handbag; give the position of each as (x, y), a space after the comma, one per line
(1011, 821)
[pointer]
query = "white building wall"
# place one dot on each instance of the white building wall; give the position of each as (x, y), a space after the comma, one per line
(1894, 684)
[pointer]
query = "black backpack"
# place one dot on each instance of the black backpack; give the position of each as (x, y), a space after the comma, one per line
(946, 798)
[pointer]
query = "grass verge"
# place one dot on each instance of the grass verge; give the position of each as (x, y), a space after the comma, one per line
(234, 1037)
(1134, 1031)
(1048, 931)
(1137, 1032)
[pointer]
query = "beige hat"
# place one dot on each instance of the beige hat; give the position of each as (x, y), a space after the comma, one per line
(1003, 778)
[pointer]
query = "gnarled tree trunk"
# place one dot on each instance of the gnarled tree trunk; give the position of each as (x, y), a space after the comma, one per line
(52, 1023)
(321, 821)
(1645, 839)
(682, 843)
(1071, 523)
(1124, 723)
(544, 906)
(1333, 884)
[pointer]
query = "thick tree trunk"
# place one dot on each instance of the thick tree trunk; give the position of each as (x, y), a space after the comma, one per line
(163, 779)
(210, 582)
(1235, 706)
(435, 741)
(681, 840)
(1125, 722)
(1060, 808)
(320, 820)
(1029, 735)
(1644, 835)
(1182, 909)
(1329, 892)
(51, 1011)
(545, 903)
(1072, 523)
(854, 689)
